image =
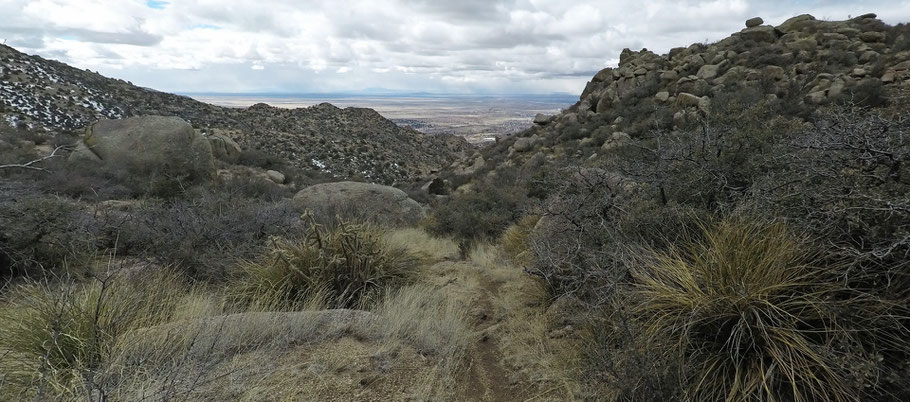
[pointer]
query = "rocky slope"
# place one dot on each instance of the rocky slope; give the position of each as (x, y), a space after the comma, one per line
(346, 143)
(798, 66)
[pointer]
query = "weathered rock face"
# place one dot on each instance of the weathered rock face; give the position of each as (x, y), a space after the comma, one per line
(376, 202)
(149, 146)
(223, 147)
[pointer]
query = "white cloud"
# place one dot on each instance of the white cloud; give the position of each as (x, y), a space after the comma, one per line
(423, 45)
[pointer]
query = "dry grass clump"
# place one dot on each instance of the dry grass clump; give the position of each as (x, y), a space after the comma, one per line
(413, 342)
(516, 240)
(422, 244)
(347, 265)
(433, 322)
(56, 337)
(753, 316)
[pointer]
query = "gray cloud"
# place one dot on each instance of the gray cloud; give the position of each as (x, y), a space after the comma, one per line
(424, 45)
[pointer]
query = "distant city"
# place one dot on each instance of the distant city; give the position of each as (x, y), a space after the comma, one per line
(478, 118)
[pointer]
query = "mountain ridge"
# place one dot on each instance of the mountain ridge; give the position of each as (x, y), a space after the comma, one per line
(345, 143)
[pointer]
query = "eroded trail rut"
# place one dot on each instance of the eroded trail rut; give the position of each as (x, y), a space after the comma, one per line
(486, 376)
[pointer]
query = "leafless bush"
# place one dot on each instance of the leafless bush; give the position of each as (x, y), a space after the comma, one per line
(846, 180)
(204, 236)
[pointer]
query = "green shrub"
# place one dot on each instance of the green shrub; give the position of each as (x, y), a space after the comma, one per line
(347, 265)
(752, 315)
(482, 212)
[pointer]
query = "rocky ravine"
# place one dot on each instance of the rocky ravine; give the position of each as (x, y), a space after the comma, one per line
(346, 143)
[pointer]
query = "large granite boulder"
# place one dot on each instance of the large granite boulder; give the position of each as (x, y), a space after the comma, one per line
(374, 202)
(149, 147)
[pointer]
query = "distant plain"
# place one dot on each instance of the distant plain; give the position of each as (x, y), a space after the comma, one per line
(477, 118)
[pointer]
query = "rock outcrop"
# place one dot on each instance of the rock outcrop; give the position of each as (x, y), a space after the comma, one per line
(825, 58)
(375, 202)
(799, 65)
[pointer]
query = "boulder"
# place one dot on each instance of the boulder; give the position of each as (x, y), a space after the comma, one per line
(604, 75)
(872, 37)
(798, 23)
(754, 22)
(542, 119)
(149, 146)
(616, 139)
(383, 204)
(523, 144)
(684, 99)
(807, 44)
(708, 71)
(662, 96)
(275, 176)
(223, 147)
(759, 34)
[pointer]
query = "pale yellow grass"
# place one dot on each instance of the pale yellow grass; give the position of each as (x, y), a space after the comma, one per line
(418, 241)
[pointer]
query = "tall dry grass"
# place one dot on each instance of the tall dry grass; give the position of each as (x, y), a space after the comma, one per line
(751, 314)
(57, 336)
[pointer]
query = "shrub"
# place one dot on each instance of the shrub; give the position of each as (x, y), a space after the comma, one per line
(254, 187)
(40, 233)
(753, 316)
(261, 159)
(203, 237)
(347, 265)
(59, 336)
(482, 212)
(867, 93)
(844, 179)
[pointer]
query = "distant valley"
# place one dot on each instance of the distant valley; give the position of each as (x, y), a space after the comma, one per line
(478, 118)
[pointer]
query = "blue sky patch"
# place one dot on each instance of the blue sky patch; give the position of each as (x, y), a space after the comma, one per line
(205, 26)
(156, 4)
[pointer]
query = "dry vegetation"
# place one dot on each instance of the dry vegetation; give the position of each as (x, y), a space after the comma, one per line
(129, 335)
(754, 251)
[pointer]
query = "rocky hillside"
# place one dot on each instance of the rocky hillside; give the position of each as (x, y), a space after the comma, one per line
(798, 66)
(346, 143)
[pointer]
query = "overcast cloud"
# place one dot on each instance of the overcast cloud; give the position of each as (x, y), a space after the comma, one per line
(453, 46)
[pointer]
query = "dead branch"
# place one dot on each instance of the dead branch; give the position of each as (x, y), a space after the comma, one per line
(31, 165)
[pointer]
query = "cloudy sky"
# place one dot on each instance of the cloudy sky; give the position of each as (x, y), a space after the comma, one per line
(446, 46)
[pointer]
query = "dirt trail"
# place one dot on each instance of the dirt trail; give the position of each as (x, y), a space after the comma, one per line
(486, 377)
